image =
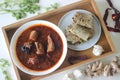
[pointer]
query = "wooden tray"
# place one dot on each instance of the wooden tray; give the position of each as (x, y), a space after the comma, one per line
(54, 16)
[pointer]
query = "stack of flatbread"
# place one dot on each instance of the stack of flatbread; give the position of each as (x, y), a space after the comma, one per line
(81, 29)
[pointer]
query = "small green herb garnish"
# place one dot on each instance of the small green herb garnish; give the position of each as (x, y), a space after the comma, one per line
(19, 8)
(3, 66)
(52, 7)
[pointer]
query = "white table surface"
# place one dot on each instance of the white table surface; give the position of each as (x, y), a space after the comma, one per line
(102, 5)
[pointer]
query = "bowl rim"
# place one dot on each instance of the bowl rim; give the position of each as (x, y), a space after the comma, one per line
(26, 26)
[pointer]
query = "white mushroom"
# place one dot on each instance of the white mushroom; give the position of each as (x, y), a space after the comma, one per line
(97, 50)
(68, 76)
(78, 74)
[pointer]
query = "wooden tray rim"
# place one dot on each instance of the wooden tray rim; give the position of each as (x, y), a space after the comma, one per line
(107, 35)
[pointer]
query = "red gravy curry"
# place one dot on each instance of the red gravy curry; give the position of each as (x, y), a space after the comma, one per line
(34, 53)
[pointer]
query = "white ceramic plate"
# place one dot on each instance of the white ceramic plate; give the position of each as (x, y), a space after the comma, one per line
(66, 20)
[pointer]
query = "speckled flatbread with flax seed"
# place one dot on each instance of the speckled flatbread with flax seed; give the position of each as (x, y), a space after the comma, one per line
(83, 19)
(71, 38)
(82, 32)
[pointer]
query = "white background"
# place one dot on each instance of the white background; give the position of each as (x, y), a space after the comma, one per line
(102, 5)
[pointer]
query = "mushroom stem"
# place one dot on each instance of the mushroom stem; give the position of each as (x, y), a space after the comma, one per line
(51, 46)
(107, 70)
(33, 35)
